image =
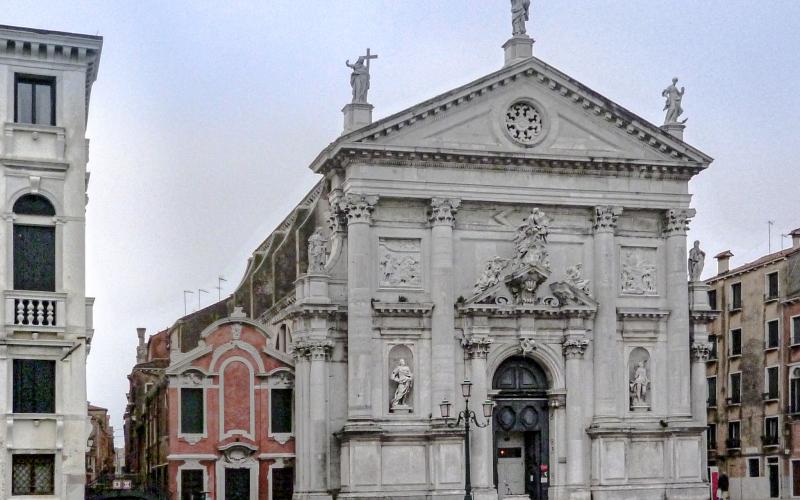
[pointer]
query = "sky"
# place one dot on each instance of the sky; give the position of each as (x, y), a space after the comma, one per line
(206, 114)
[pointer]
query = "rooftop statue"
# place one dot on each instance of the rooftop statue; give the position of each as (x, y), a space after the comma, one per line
(697, 259)
(673, 104)
(520, 13)
(359, 79)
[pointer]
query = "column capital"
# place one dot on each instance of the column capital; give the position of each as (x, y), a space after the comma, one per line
(443, 211)
(359, 207)
(676, 220)
(605, 218)
(337, 220)
(477, 346)
(701, 351)
(314, 349)
(575, 347)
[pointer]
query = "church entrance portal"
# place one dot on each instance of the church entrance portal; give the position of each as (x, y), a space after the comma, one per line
(521, 430)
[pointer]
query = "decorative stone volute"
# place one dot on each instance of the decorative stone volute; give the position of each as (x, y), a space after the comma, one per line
(443, 211)
(676, 220)
(359, 207)
(605, 218)
(477, 346)
(575, 347)
(701, 351)
(314, 349)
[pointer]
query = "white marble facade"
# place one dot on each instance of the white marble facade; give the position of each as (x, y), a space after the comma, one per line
(527, 234)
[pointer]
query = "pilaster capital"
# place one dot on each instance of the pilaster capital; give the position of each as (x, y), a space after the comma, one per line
(314, 349)
(477, 346)
(676, 220)
(359, 207)
(701, 351)
(575, 347)
(605, 218)
(337, 220)
(443, 211)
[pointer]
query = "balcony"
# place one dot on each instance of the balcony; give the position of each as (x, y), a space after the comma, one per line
(24, 141)
(733, 444)
(769, 440)
(37, 312)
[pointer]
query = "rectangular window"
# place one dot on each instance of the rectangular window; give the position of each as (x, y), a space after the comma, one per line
(281, 411)
(733, 435)
(772, 334)
(772, 286)
(192, 411)
(35, 100)
(736, 388)
(753, 467)
(32, 474)
(711, 436)
(796, 478)
(34, 389)
(770, 431)
(796, 330)
(736, 342)
(712, 391)
(773, 473)
(191, 484)
(771, 382)
(736, 296)
(712, 299)
(794, 392)
(35, 258)
(712, 352)
(282, 483)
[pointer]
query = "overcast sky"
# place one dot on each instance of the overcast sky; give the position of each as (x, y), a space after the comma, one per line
(206, 114)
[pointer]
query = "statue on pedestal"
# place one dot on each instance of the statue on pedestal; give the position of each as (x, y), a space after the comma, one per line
(697, 259)
(317, 252)
(639, 385)
(520, 13)
(359, 79)
(404, 378)
(673, 103)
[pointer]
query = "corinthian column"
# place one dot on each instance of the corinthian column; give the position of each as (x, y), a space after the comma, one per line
(303, 470)
(477, 348)
(443, 212)
(700, 354)
(607, 362)
(358, 209)
(677, 291)
(574, 348)
(318, 353)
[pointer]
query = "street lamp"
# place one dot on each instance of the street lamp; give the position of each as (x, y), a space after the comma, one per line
(466, 415)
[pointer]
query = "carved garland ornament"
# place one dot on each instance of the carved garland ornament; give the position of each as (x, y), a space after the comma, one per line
(524, 123)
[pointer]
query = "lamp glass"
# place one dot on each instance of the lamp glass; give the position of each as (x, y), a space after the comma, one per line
(444, 408)
(488, 406)
(466, 388)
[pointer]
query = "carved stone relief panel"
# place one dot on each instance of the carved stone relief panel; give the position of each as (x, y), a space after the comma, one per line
(400, 262)
(401, 379)
(639, 382)
(638, 273)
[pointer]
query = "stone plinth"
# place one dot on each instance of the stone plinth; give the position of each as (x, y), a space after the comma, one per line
(518, 48)
(674, 129)
(356, 115)
(699, 296)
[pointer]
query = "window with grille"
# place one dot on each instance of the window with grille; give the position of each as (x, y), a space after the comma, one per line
(736, 296)
(34, 388)
(281, 411)
(32, 474)
(771, 431)
(736, 342)
(773, 334)
(736, 388)
(772, 286)
(192, 421)
(712, 391)
(191, 484)
(771, 382)
(35, 99)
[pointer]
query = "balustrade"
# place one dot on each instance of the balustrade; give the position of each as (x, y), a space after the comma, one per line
(34, 309)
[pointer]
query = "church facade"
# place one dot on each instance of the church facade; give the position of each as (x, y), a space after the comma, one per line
(521, 233)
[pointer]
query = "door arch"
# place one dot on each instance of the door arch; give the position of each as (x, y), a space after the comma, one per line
(520, 427)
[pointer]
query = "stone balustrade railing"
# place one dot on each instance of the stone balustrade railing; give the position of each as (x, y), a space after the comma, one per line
(28, 310)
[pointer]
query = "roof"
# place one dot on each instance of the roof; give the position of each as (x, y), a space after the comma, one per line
(49, 32)
(92, 407)
(750, 266)
(575, 92)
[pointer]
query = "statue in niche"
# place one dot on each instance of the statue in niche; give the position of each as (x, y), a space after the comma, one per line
(673, 103)
(531, 239)
(404, 378)
(317, 252)
(359, 79)
(520, 13)
(639, 385)
(576, 279)
(697, 259)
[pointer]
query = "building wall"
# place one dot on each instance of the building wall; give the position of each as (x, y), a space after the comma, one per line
(51, 161)
(100, 458)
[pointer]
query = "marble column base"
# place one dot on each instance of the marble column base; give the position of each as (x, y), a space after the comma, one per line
(486, 494)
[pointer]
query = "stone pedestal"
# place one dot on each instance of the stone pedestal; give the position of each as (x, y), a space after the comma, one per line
(356, 115)
(674, 129)
(518, 48)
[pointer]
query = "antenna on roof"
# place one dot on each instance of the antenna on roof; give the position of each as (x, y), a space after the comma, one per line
(220, 279)
(184, 301)
(770, 223)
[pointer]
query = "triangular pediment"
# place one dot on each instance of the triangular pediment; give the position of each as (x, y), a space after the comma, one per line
(563, 120)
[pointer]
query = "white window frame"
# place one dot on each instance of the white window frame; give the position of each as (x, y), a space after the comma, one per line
(794, 331)
(191, 465)
(749, 459)
(767, 347)
(275, 380)
(741, 298)
(730, 342)
(728, 433)
(730, 388)
(766, 470)
(767, 297)
(766, 381)
(192, 438)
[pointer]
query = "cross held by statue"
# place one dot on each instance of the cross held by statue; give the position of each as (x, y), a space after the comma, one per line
(369, 56)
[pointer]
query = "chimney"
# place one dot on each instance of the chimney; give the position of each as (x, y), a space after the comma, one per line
(723, 261)
(795, 238)
(141, 349)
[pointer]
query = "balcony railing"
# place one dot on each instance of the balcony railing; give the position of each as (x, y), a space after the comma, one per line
(39, 311)
(733, 443)
(770, 440)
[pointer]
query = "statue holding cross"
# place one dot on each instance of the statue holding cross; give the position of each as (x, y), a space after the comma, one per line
(359, 79)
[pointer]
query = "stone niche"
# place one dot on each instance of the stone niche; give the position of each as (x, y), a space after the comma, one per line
(401, 380)
(400, 263)
(639, 380)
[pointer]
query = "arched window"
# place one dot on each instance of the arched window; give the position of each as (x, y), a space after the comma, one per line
(520, 374)
(34, 244)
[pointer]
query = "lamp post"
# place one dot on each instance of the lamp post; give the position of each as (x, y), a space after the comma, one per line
(466, 415)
